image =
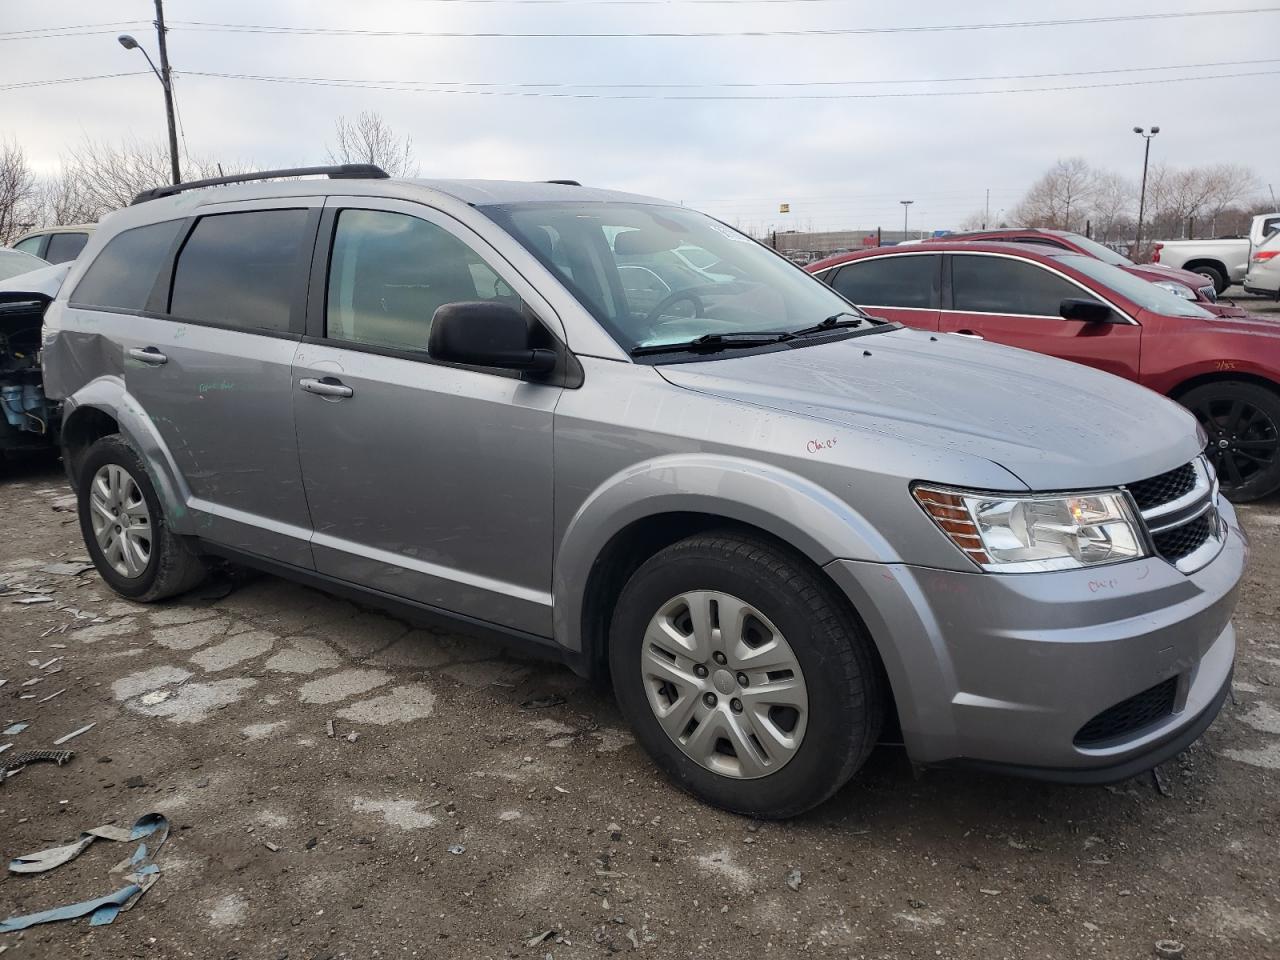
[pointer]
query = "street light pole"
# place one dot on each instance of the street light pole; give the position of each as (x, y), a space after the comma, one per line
(1142, 194)
(163, 74)
(906, 205)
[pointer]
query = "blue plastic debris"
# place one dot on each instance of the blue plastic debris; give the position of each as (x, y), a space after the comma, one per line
(100, 910)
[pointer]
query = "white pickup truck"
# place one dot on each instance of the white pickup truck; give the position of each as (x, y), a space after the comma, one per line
(1223, 261)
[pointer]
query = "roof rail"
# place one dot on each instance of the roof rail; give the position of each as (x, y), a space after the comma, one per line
(341, 171)
(567, 183)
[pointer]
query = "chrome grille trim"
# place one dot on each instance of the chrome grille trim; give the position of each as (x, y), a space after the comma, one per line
(1200, 501)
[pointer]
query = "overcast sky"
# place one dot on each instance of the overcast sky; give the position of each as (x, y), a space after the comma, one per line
(838, 162)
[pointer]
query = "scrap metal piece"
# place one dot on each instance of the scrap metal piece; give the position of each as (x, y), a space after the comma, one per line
(75, 733)
(23, 757)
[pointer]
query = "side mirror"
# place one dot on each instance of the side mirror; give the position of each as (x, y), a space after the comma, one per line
(1086, 311)
(486, 334)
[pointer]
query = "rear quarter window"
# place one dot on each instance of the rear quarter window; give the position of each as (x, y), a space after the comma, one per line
(125, 270)
(65, 246)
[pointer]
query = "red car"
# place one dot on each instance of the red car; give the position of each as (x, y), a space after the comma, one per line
(1226, 370)
(1188, 285)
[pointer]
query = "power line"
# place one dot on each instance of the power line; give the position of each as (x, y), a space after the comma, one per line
(203, 25)
(73, 26)
(24, 84)
(576, 95)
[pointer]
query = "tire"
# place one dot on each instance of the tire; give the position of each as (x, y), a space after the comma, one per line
(1214, 274)
(167, 565)
(841, 680)
(1242, 420)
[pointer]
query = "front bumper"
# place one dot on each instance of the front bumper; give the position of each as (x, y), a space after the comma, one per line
(1003, 670)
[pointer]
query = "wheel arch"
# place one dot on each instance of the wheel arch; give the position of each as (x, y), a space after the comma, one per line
(102, 407)
(1223, 376)
(1207, 262)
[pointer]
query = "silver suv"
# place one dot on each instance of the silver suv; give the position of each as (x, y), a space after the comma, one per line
(623, 433)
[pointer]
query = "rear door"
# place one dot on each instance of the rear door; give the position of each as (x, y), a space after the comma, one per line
(1009, 300)
(427, 481)
(903, 287)
(210, 364)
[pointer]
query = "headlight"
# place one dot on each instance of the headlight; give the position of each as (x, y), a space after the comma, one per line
(1180, 289)
(1023, 534)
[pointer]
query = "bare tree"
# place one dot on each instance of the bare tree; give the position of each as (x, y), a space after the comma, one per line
(18, 193)
(974, 221)
(370, 139)
(1061, 198)
(1113, 205)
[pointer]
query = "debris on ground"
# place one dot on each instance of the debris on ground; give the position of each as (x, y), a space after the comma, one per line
(14, 730)
(544, 701)
(1161, 780)
(75, 733)
(793, 879)
(457, 849)
(1169, 949)
(17, 761)
(141, 877)
(540, 938)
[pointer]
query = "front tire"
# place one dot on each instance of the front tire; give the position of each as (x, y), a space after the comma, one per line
(747, 679)
(1215, 276)
(124, 526)
(1242, 420)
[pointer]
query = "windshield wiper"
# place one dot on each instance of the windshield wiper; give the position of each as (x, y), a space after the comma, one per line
(711, 342)
(832, 322)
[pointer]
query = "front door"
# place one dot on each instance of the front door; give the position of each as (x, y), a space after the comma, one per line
(426, 481)
(901, 287)
(210, 365)
(1016, 302)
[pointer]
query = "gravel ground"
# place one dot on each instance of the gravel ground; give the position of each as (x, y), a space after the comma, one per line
(471, 805)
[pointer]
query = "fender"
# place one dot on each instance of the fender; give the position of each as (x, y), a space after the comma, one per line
(108, 394)
(795, 510)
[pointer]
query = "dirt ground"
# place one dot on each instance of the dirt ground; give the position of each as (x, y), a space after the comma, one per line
(461, 810)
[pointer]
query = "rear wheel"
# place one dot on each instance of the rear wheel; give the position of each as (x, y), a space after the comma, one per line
(124, 527)
(744, 676)
(1242, 421)
(1215, 276)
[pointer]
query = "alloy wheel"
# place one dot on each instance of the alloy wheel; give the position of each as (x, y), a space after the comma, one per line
(724, 684)
(121, 520)
(1243, 439)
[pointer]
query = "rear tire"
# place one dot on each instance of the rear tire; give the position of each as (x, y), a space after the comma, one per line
(139, 557)
(804, 755)
(1242, 420)
(1213, 274)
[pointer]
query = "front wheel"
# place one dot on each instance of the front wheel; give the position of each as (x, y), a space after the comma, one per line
(745, 677)
(1214, 276)
(1242, 421)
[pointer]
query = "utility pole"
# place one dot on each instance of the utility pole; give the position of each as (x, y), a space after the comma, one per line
(166, 80)
(986, 210)
(906, 205)
(1142, 195)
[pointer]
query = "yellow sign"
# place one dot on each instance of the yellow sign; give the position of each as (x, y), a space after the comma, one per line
(784, 208)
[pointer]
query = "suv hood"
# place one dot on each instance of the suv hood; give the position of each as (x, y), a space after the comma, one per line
(1055, 425)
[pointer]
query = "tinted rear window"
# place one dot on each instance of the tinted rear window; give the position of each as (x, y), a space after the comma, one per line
(65, 246)
(243, 270)
(901, 281)
(123, 273)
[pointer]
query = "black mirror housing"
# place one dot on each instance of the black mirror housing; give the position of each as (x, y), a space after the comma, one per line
(1087, 311)
(487, 334)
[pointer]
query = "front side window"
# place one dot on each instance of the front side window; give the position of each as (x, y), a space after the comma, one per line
(243, 270)
(983, 284)
(65, 246)
(390, 272)
(1148, 295)
(653, 275)
(901, 281)
(124, 271)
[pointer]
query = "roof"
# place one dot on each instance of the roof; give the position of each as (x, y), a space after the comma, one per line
(483, 192)
(944, 245)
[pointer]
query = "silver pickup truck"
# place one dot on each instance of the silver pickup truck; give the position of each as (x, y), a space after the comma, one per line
(1222, 261)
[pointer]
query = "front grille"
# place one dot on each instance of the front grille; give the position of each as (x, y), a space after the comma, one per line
(1159, 490)
(1177, 543)
(1209, 293)
(1128, 716)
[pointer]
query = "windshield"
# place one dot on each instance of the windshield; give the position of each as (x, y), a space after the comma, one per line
(15, 262)
(1101, 251)
(1144, 293)
(654, 275)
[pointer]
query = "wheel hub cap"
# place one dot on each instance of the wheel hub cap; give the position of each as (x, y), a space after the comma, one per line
(696, 649)
(121, 521)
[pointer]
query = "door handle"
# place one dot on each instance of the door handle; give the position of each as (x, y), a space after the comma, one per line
(967, 334)
(325, 387)
(148, 355)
